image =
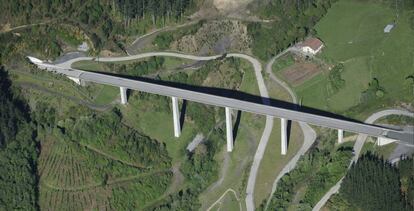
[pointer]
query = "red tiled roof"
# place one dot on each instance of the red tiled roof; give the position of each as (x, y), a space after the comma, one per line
(313, 43)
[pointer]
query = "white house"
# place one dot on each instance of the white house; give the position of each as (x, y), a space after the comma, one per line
(311, 46)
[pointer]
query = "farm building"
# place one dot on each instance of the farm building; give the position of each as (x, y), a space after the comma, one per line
(311, 46)
(388, 28)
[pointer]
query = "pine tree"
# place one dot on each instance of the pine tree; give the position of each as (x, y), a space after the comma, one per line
(373, 184)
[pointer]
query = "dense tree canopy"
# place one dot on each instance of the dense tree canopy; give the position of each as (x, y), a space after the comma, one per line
(374, 184)
(18, 152)
(157, 9)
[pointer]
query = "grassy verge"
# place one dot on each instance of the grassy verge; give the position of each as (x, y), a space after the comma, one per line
(246, 141)
(273, 162)
(169, 63)
(283, 62)
(315, 173)
(106, 95)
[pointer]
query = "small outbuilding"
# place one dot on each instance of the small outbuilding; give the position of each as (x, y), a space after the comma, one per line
(388, 28)
(311, 46)
(83, 47)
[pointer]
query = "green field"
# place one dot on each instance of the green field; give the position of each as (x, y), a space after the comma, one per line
(358, 41)
(106, 95)
(283, 62)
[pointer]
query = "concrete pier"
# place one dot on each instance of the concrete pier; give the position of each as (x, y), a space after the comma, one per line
(176, 117)
(283, 132)
(229, 130)
(340, 136)
(124, 99)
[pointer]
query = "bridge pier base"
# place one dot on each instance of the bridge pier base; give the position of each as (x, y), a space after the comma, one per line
(229, 129)
(381, 141)
(283, 140)
(124, 99)
(340, 136)
(176, 117)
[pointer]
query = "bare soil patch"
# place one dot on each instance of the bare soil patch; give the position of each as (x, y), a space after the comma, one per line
(216, 37)
(227, 5)
(301, 72)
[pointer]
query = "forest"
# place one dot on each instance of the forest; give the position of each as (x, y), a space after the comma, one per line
(18, 151)
(158, 10)
(103, 21)
(375, 184)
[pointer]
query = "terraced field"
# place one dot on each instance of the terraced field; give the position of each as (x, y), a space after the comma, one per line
(73, 177)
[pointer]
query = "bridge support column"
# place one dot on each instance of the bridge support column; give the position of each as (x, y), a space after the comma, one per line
(340, 135)
(176, 117)
(229, 130)
(124, 99)
(283, 140)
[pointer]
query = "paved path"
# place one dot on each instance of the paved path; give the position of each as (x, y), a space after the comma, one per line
(222, 196)
(24, 26)
(308, 133)
(357, 150)
(266, 133)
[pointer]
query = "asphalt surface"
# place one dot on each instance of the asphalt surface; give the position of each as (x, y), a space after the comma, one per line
(400, 150)
(357, 150)
(264, 108)
(216, 100)
(308, 133)
(190, 96)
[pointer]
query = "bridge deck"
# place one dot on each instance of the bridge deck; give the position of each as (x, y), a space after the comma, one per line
(244, 105)
(257, 108)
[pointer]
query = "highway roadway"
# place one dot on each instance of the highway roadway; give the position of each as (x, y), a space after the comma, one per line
(216, 100)
(257, 67)
(263, 108)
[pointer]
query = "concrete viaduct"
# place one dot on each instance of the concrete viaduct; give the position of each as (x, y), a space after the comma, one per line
(384, 135)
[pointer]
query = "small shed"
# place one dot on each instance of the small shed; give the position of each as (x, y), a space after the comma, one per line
(83, 47)
(388, 28)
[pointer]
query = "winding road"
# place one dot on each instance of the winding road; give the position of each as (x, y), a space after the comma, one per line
(262, 89)
(357, 150)
(308, 133)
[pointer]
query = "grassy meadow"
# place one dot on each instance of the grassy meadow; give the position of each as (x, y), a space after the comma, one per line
(359, 43)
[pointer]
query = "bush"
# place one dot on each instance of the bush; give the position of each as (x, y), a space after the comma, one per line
(163, 40)
(335, 78)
